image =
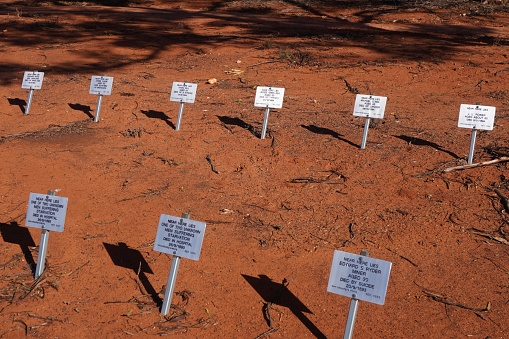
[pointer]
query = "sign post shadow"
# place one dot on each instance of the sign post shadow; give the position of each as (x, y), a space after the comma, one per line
(124, 256)
(279, 294)
(15, 234)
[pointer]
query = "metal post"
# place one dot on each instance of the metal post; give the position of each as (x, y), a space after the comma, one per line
(172, 278)
(43, 247)
(365, 134)
(98, 109)
(265, 122)
(29, 101)
(472, 146)
(179, 118)
(352, 312)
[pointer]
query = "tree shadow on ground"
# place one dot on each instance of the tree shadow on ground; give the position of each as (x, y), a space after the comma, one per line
(279, 294)
(156, 30)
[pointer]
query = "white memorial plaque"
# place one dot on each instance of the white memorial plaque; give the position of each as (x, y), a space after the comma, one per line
(32, 80)
(271, 97)
(179, 236)
(369, 106)
(183, 92)
(101, 85)
(476, 117)
(359, 277)
(46, 212)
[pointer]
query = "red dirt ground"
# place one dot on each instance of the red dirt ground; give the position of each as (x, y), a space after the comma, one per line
(277, 208)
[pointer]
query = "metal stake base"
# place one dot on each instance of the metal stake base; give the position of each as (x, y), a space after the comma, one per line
(43, 248)
(98, 109)
(179, 118)
(265, 122)
(29, 100)
(352, 312)
(472, 146)
(365, 134)
(172, 278)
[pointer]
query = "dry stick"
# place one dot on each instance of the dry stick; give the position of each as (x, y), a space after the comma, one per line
(15, 208)
(268, 332)
(50, 318)
(24, 324)
(503, 200)
(75, 270)
(352, 234)
(328, 180)
(263, 63)
(479, 164)
(150, 193)
(502, 268)
(212, 167)
(402, 257)
(39, 281)
(441, 299)
(266, 310)
(489, 236)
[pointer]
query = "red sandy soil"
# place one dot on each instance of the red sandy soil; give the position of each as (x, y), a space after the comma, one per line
(276, 209)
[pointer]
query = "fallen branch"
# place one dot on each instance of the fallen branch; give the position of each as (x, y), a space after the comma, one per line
(442, 299)
(479, 164)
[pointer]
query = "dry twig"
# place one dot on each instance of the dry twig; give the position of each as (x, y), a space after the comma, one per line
(479, 164)
(489, 236)
(442, 299)
(332, 178)
(212, 167)
(503, 200)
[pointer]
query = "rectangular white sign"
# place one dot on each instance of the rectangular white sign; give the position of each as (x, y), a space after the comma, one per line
(32, 80)
(46, 212)
(183, 92)
(179, 236)
(271, 97)
(101, 85)
(369, 106)
(359, 277)
(476, 117)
